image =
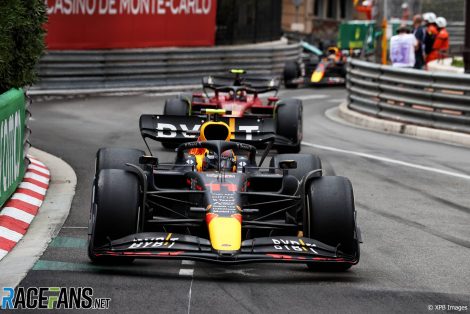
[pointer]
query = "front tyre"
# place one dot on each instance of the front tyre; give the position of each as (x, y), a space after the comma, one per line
(291, 72)
(114, 210)
(330, 218)
(116, 158)
(289, 124)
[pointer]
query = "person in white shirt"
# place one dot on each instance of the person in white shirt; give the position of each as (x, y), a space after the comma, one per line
(402, 48)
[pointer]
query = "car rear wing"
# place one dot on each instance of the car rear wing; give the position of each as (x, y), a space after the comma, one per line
(181, 129)
(251, 85)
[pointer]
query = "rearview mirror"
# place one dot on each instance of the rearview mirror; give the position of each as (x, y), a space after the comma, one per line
(288, 164)
(148, 160)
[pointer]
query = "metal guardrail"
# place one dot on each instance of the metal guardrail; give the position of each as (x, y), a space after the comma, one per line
(157, 67)
(456, 32)
(431, 99)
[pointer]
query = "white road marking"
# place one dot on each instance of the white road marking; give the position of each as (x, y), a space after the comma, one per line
(157, 94)
(308, 97)
(186, 262)
(190, 294)
(17, 214)
(336, 100)
(389, 160)
(186, 272)
(3, 253)
(10, 234)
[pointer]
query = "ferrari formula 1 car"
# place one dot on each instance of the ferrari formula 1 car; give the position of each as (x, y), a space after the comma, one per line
(249, 117)
(316, 69)
(214, 203)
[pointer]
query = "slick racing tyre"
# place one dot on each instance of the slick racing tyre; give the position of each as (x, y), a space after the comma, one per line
(176, 107)
(116, 158)
(330, 217)
(114, 210)
(289, 124)
(291, 72)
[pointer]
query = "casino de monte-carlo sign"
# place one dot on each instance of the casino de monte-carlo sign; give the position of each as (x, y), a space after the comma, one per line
(108, 24)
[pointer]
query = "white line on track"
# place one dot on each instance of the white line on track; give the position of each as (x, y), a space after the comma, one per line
(157, 94)
(186, 262)
(190, 294)
(389, 160)
(308, 97)
(186, 272)
(336, 100)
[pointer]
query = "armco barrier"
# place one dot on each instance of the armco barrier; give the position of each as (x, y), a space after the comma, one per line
(101, 69)
(456, 32)
(431, 99)
(14, 144)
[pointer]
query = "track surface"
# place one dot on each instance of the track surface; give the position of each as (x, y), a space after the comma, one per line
(415, 222)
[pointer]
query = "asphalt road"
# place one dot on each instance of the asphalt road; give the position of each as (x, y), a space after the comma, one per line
(413, 209)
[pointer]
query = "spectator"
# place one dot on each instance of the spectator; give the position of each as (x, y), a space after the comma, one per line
(441, 44)
(431, 33)
(402, 48)
(405, 15)
(419, 32)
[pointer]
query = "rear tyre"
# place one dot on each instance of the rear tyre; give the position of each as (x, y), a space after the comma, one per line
(114, 210)
(305, 164)
(330, 218)
(289, 124)
(291, 72)
(176, 107)
(116, 158)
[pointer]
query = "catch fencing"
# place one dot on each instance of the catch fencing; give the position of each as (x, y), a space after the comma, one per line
(431, 99)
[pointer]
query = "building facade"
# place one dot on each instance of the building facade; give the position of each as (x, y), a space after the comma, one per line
(316, 20)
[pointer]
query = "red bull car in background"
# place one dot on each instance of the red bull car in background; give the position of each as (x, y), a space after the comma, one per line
(250, 117)
(316, 68)
(214, 203)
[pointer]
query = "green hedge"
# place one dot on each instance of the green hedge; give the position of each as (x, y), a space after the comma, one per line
(21, 41)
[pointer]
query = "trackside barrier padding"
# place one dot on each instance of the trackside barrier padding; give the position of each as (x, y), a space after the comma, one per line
(13, 141)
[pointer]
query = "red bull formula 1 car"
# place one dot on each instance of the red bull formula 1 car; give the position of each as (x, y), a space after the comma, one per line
(317, 68)
(214, 203)
(248, 115)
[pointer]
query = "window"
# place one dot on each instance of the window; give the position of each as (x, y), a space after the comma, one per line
(342, 9)
(316, 8)
(331, 8)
